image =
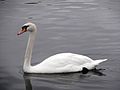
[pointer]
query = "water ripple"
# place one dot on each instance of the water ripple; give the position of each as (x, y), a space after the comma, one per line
(32, 3)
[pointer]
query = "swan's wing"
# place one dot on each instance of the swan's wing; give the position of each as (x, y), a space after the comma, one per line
(64, 62)
(64, 59)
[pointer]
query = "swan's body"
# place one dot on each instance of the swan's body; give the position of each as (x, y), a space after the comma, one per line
(59, 63)
(65, 62)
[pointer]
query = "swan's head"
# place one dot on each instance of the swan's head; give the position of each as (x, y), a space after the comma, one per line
(28, 27)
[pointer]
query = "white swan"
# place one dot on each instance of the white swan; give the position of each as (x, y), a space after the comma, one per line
(59, 63)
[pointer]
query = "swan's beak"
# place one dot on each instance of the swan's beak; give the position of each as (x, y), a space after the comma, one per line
(22, 31)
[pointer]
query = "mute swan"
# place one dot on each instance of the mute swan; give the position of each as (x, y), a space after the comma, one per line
(59, 63)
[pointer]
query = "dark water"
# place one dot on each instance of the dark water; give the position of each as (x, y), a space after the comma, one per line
(88, 27)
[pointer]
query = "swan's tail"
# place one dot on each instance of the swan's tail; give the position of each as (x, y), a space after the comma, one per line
(96, 62)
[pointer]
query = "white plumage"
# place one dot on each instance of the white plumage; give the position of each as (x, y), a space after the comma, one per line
(59, 63)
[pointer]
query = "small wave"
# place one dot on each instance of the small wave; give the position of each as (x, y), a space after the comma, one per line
(33, 2)
(2, 0)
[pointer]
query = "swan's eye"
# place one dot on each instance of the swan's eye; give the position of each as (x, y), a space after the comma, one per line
(25, 27)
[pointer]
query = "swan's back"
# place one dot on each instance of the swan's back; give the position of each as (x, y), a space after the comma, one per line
(64, 62)
(63, 59)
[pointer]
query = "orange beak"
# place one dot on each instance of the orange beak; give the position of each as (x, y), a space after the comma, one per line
(22, 31)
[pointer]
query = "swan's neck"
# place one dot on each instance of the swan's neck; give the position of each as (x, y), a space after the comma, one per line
(28, 54)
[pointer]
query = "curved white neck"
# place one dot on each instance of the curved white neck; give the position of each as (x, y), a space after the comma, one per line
(28, 54)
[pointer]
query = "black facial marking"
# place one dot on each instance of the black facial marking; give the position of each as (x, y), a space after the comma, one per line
(25, 27)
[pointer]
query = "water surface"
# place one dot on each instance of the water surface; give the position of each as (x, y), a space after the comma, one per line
(88, 27)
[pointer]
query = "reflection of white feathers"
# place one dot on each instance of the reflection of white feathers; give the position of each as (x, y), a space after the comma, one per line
(59, 63)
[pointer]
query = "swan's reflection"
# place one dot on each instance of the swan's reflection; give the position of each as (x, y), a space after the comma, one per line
(65, 78)
(27, 82)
